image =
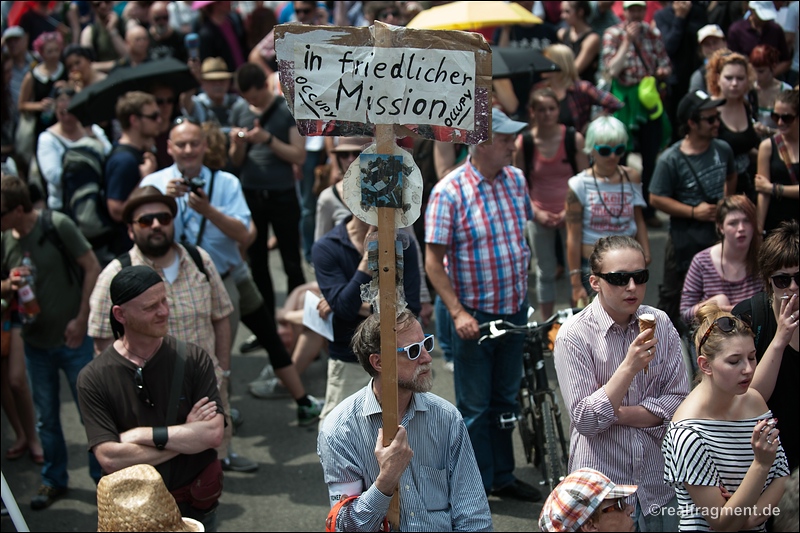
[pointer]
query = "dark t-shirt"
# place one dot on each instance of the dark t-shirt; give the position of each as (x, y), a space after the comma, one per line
(782, 208)
(262, 168)
(122, 176)
(110, 404)
(172, 46)
(782, 402)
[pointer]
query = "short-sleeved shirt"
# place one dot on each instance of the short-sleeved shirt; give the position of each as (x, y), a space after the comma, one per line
(651, 47)
(227, 198)
(710, 453)
(262, 168)
(608, 209)
(122, 172)
(110, 404)
(56, 289)
(194, 301)
(673, 177)
(481, 223)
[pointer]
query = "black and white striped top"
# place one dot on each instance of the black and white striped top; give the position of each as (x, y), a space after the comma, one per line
(711, 452)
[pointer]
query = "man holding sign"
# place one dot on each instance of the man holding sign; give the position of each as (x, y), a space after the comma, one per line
(431, 457)
(478, 209)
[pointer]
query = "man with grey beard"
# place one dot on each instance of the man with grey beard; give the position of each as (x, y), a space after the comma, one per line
(430, 459)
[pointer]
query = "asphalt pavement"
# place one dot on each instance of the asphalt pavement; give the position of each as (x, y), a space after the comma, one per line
(287, 493)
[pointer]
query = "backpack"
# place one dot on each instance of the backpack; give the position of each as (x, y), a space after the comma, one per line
(125, 259)
(529, 149)
(82, 187)
(50, 233)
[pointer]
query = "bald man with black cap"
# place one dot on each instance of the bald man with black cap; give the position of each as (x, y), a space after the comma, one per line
(125, 394)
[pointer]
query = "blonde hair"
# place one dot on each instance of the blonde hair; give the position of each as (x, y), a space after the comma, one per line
(563, 56)
(705, 317)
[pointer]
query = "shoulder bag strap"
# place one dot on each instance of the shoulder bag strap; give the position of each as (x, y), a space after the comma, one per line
(696, 179)
(783, 152)
(203, 222)
(641, 57)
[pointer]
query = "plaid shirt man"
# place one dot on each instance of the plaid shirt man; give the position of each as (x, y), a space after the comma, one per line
(482, 223)
(580, 98)
(650, 46)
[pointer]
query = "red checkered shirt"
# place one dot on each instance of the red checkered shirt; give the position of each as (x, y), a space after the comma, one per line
(651, 46)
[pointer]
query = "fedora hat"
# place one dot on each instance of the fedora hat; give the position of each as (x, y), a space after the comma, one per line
(146, 195)
(215, 68)
(136, 499)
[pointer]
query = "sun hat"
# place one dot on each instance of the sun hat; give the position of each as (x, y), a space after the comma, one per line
(626, 5)
(577, 497)
(136, 499)
(502, 124)
(146, 195)
(12, 32)
(215, 68)
(709, 30)
(695, 102)
(764, 10)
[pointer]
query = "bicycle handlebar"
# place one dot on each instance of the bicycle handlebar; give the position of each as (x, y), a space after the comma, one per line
(498, 328)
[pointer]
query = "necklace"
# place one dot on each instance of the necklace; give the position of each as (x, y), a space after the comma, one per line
(621, 194)
(130, 352)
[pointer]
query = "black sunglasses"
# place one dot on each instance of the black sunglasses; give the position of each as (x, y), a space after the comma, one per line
(711, 119)
(787, 118)
(621, 279)
(353, 153)
(726, 324)
(155, 115)
(145, 221)
(782, 281)
(619, 505)
(413, 351)
(141, 389)
(605, 150)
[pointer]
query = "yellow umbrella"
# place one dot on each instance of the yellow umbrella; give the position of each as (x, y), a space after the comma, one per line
(472, 16)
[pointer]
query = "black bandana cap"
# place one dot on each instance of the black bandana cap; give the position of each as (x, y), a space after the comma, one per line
(129, 283)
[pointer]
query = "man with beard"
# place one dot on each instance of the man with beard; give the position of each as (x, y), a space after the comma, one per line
(125, 392)
(198, 299)
(431, 457)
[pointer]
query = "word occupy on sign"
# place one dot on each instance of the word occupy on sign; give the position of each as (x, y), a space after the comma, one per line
(339, 81)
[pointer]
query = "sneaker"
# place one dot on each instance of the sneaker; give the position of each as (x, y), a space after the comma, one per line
(237, 463)
(268, 389)
(236, 418)
(46, 496)
(519, 490)
(449, 366)
(309, 415)
(266, 373)
(250, 345)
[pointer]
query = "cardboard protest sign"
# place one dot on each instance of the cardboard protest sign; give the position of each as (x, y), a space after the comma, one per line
(339, 81)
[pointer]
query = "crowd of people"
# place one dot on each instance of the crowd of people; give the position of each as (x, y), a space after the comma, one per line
(134, 285)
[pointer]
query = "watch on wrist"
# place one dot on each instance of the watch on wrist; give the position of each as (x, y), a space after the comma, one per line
(226, 373)
(160, 436)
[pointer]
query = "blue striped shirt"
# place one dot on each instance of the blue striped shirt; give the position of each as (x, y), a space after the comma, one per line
(441, 490)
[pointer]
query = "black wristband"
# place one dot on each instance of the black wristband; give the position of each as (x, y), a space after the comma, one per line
(160, 436)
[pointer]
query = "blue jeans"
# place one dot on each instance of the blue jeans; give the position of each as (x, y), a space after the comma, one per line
(308, 201)
(487, 379)
(444, 328)
(43, 367)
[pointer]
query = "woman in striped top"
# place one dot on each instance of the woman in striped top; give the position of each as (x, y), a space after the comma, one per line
(727, 272)
(722, 453)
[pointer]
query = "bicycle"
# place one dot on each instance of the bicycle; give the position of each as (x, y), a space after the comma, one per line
(539, 421)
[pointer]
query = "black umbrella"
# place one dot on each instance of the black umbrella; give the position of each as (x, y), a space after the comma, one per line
(508, 62)
(96, 102)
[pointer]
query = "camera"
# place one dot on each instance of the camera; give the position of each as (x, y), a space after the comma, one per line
(195, 184)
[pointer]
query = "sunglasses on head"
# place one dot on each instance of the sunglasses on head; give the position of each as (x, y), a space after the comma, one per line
(787, 118)
(726, 324)
(413, 351)
(619, 505)
(155, 115)
(605, 150)
(183, 118)
(141, 388)
(145, 221)
(782, 281)
(621, 279)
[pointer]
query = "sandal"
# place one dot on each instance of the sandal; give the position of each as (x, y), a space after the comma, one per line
(37, 458)
(13, 454)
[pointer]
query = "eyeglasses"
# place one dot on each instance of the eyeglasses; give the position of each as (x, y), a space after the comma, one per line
(621, 279)
(619, 505)
(726, 324)
(711, 119)
(141, 389)
(162, 101)
(155, 115)
(386, 12)
(787, 118)
(782, 281)
(413, 351)
(183, 118)
(344, 155)
(605, 150)
(145, 221)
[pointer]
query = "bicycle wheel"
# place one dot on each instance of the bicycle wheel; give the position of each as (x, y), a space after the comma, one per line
(525, 424)
(554, 462)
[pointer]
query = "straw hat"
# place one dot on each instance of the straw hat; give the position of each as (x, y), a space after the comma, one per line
(136, 499)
